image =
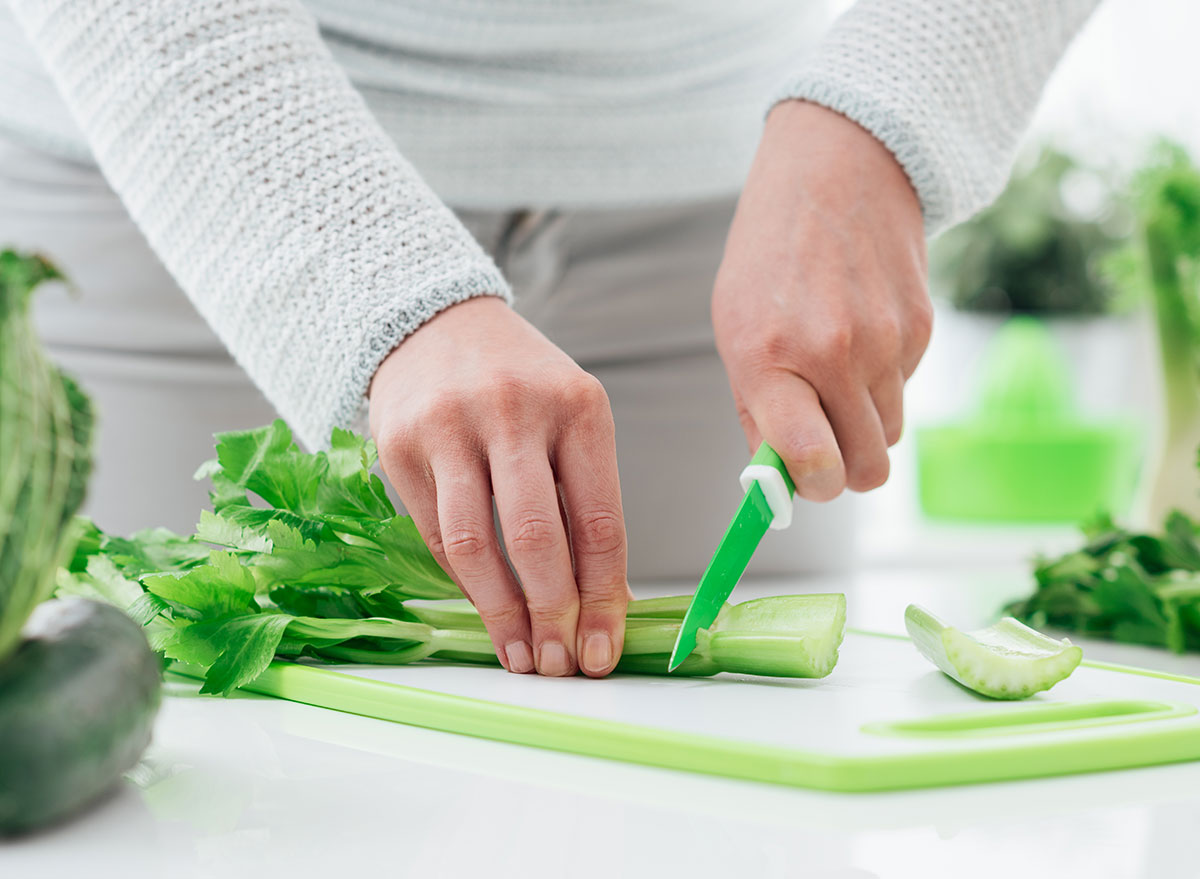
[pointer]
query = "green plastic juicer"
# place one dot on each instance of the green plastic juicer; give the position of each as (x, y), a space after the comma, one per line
(1027, 454)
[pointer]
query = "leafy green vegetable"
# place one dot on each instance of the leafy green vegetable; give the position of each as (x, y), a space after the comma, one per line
(214, 616)
(266, 461)
(45, 431)
(1166, 260)
(313, 562)
(145, 552)
(1139, 588)
(1036, 250)
(1144, 588)
(327, 521)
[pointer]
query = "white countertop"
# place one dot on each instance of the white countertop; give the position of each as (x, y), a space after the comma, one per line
(251, 787)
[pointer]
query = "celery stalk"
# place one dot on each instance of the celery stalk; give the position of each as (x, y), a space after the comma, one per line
(1007, 660)
(782, 636)
(1178, 345)
(1168, 260)
(786, 636)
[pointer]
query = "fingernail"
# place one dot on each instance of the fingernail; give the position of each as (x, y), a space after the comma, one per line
(552, 659)
(597, 652)
(520, 657)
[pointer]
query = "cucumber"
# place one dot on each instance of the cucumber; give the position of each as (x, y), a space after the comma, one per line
(78, 699)
(1007, 660)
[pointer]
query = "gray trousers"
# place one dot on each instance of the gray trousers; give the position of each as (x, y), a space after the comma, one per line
(625, 293)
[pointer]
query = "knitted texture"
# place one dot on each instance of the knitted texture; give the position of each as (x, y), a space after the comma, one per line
(506, 104)
(947, 85)
(264, 181)
(265, 186)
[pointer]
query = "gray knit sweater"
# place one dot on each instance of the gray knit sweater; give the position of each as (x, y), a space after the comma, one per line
(267, 148)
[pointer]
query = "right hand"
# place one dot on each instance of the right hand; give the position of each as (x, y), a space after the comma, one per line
(477, 403)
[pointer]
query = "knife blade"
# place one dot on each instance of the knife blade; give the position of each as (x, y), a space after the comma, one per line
(767, 503)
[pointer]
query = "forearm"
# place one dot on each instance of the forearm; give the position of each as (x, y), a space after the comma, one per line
(262, 182)
(947, 85)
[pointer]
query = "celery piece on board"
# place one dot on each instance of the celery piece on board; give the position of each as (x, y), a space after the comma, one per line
(1007, 660)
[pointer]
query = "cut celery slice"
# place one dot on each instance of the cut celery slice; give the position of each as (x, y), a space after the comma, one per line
(794, 636)
(1007, 660)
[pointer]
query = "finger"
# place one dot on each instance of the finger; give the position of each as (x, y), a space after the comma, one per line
(888, 398)
(753, 436)
(788, 413)
(527, 501)
(629, 596)
(860, 436)
(586, 466)
(468, 535)
(920, 329)
(413, 481)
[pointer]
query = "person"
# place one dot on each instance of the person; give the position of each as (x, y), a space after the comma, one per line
(344, 191)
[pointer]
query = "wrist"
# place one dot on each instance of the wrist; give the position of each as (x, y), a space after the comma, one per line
(447, 323)
(805, 134)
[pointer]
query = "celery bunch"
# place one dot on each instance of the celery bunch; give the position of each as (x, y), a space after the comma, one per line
(303, 556)
(1166, 263)
(45, 434)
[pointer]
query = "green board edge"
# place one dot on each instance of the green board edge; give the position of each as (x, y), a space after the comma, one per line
(712, 755)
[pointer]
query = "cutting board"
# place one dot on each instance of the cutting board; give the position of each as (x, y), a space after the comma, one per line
(884, 719)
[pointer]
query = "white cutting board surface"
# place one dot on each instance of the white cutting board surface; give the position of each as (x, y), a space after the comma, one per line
(878, 679)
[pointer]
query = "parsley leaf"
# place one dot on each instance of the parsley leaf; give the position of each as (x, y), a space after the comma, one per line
(1139, 588)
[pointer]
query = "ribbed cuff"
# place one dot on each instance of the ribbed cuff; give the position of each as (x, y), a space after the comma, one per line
(385, 327)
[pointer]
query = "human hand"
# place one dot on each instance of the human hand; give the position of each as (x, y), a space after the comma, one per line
(820, 306)
(478, 403)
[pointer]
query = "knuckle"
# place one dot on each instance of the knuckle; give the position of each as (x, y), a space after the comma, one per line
(606, 603)
(805, 455)
(600, 533)
(500, 614)
(398, 445)
(534, 535)
(921, 321)
(444, 407)
(509, 391)
(769, 350)
(436, 545)
(464, 544)
(584, 396)
(551, 607)
(835, 344)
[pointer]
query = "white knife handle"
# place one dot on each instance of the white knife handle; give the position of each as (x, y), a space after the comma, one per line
(774, 489)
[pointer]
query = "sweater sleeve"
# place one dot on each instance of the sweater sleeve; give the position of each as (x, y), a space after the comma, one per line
(947, 85)
(263, 183)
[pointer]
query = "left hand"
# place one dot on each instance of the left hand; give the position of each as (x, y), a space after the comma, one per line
(820, 306)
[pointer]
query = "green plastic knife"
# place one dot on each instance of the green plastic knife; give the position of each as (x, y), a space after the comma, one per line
(767, 505)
